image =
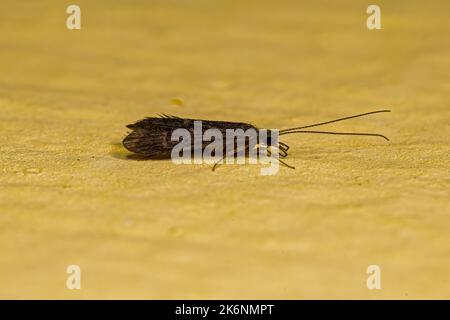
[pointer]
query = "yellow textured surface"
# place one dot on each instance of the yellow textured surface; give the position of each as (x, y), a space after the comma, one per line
(150, 229)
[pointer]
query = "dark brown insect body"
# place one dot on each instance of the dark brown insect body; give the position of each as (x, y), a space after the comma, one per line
(152, 137)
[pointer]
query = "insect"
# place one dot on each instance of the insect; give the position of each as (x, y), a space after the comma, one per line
(152, 137)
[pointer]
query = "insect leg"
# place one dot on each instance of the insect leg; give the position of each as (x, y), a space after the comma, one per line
(286, 147)
(280, 161)
(232, 152)
(283, 152)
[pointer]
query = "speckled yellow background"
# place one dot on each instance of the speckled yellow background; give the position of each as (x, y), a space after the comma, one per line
(150, 229)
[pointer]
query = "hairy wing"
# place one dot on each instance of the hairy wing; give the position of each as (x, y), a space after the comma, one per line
(151, 143)
(155, 123)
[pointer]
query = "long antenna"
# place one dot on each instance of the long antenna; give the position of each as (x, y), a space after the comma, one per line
(332, 121)
(338, 133)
